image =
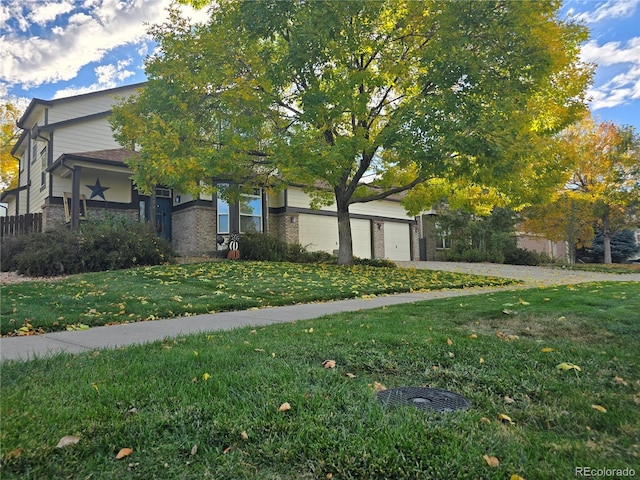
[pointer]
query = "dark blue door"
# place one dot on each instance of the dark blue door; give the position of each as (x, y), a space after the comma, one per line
(163, 218)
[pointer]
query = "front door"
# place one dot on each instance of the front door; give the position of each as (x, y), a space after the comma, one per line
(163, 218)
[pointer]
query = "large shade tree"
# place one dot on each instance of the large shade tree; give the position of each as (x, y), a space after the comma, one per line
(602, 191)
(322, 93)
(9, 133)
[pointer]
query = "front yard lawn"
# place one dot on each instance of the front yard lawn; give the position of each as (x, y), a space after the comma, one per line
(553, 376)
(149, 293)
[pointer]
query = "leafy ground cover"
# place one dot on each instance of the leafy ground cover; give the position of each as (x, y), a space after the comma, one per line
(149, 293)
(553, 375)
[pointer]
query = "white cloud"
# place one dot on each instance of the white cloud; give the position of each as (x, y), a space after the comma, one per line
(107, 76)
(609, 9)
(611, 53)
(45, 12)
(623, 87)
(32, 60)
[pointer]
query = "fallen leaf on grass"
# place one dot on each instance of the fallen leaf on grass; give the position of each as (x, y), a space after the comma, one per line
(621, 381)
(350, 375)
(244, 435)
(523, 302)
(206, 376)
(508, 399)
(546, 350)
(194, 450)
(13, 454)
(485, 420)
(449, 342)
(516, 477)
(473, 335)
(329, 364)
(491, 461)
(481, 360)
(505, 419)
(568, 366)
(507, 337)
(131, 411)
(284, 407)
(67, 440)
(124, 452)
(378, 387)
(599, 408)
(226, 450)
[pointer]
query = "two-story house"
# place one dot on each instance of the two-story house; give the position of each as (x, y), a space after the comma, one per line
(72, 170)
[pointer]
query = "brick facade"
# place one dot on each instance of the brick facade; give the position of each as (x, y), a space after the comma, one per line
(377, 239)
(193, 230)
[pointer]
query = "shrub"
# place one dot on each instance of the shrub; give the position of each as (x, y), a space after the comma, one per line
(110, 244)
(266, 248)
(473, 256)
(10, 247)
(374, 262)
(54, 252)
(522, 256)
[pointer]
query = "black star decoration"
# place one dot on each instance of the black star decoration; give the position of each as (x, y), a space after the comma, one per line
(97, 190)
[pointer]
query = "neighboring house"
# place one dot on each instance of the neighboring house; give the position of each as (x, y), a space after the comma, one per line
(72, 170)
(537, 243)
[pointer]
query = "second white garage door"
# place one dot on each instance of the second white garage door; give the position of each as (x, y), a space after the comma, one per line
(396, 241)
(320, 232)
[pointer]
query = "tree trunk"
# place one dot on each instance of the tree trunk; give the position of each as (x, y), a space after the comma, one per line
(606, 239)
(345, 242)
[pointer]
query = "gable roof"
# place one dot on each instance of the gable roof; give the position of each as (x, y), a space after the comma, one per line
(109, 159)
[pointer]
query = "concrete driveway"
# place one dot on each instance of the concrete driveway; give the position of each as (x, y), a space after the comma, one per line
(533, 276)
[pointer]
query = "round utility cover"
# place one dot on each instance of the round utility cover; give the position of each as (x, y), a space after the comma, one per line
(424, 399)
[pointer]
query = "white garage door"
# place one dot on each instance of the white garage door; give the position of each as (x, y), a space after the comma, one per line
(319, 232)
(396, 241)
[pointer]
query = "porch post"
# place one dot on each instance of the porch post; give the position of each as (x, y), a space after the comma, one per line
(75, 198)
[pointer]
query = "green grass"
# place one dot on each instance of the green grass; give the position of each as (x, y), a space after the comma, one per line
(621, 268)
(150, 293)
(336, 427)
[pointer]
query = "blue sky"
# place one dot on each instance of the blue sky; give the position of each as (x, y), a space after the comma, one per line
(58, 48)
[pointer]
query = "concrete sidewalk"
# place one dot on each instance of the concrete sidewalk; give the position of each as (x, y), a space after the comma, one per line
(23, 348)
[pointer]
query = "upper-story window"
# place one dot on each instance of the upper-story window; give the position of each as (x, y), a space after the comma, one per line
(34, 150)
(43, 164)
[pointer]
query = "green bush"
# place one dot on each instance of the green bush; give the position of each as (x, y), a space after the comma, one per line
(473, 256)
(374, 262)
(522, 256)
(10, 247)
(110, 244)
(267, 248)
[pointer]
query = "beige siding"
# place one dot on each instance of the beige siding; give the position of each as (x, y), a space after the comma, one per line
(380, 208)
(82, 106)
(119, 185)
(320, 232)
(276, 200)
(84, 137)
(396, 241)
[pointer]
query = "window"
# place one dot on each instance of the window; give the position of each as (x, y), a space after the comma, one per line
(223, 216)
(443, 236)
(34, 150)
(251, 212)
(43, 165)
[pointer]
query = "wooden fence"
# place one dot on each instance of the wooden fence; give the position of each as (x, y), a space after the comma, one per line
(20, 225)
